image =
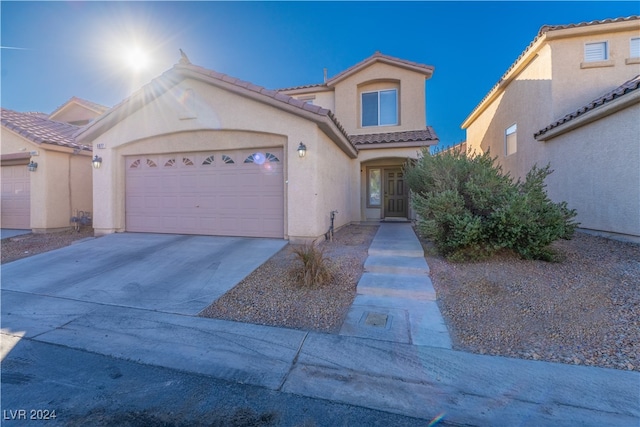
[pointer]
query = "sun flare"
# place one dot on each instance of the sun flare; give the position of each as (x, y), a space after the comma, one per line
(136, 58)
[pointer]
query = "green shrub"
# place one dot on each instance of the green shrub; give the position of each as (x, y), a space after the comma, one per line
(314, 270)
(471, 209)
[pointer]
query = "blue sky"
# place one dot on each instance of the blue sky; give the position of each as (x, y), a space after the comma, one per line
(52, 51)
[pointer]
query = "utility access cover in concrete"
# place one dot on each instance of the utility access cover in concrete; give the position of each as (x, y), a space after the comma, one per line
(377, 320)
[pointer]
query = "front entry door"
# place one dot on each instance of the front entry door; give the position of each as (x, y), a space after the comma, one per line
(395, 194)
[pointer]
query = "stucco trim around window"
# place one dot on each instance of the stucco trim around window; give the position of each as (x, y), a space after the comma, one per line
(597, 64)
(511, 140)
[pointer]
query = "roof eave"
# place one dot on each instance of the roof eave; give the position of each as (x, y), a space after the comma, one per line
(426, 70)
(591, 116)
(405, 144)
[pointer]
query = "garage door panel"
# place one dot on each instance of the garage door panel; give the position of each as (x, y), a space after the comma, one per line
(205, 195)
(16, 197)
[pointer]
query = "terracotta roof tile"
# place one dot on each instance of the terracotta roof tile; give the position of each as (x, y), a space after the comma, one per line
(318, 85)
(621, 90)
(377, 56)
(423, 135)
(41, 130)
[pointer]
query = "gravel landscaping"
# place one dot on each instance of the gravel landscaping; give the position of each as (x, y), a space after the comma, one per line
(583, 310)
(26, 245)
(271, 295)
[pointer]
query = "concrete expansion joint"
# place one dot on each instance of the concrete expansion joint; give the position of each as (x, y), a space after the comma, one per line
(294, 362)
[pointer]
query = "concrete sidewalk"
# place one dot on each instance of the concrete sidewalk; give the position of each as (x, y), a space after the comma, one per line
(395, 298)
(413, 378)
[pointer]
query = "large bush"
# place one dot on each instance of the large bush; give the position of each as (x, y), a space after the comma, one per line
(471, 209)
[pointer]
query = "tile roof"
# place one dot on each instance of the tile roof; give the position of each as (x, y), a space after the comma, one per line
(88, 104)
(40, 130)
(317, 85)
(379, 57)
(423, 135)
(544, 30)
(376, 57)
(621, 90)
(178, 71)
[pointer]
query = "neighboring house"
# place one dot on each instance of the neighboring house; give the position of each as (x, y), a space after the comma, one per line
(199, 152)
(46, 176)
(571, 100)
(460, 147)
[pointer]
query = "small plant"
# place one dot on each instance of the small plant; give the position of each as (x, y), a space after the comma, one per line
(314, 271)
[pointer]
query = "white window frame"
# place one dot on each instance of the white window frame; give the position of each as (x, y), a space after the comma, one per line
(511, 140)
(596, 51)
(395, 123)
(634, 47)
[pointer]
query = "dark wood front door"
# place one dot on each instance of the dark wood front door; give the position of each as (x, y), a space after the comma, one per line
(395, 193)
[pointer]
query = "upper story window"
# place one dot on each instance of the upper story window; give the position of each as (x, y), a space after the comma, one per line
(594, 52)
(380, 108)
(634, 48)
(511, 139)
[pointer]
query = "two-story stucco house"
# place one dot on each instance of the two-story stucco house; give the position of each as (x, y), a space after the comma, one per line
(46, 176)
(199, 152)
(571, 99)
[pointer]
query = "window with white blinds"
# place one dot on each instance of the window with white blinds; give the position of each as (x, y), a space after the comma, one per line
(635, 48)
(596, 52)
(511, 139)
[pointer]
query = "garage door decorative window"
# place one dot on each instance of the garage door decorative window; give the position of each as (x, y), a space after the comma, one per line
(208, 160)
(151, 163)
(170, 163)
(187, 162)
(260, 158)
(228, 160)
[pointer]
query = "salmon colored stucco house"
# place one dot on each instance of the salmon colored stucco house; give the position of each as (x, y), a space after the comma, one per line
(46, 175)
(571, 100)
(199, 152)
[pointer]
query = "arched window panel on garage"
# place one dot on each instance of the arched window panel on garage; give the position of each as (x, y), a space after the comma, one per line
(187, 161)
(260, 158)
(208, 160)
(228, 160)
(169, 163)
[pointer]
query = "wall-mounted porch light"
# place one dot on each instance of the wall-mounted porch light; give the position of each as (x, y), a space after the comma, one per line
(32, 166)
(302, 150)
(96, 162)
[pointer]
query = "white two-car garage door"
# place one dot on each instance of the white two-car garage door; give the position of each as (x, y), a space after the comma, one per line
(16, 197)
(226, 193)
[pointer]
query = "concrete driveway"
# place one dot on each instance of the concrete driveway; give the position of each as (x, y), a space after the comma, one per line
(168, 273)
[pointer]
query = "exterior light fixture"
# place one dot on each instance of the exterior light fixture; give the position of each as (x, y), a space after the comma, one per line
(96, 162)
(302, 150)
(32, 166)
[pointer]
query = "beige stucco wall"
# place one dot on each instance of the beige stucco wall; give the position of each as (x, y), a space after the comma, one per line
(219, 119)
(411, 98)
(597, 172)
(525, 104)
(576, 83)
(324, 99)
(61, 183)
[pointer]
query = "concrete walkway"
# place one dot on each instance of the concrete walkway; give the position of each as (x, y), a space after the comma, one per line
(5, 233)
(395, 298)
(402, 373)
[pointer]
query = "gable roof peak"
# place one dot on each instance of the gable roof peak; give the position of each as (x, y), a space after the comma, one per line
(377, 56)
